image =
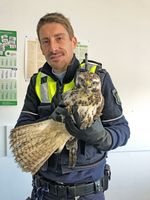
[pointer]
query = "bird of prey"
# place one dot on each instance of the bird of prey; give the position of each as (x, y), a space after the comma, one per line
(33, 144)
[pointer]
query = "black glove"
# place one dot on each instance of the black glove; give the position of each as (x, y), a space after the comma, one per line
(95, 135)
(59, 114)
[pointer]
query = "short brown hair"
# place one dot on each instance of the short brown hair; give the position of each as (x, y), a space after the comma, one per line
(58, 18)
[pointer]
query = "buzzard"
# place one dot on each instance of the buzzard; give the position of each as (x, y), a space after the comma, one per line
(33, 144)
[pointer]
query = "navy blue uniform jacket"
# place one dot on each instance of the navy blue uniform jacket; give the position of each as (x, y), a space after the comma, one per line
(90, 161)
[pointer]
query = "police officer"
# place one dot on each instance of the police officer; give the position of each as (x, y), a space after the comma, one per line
(89, 178)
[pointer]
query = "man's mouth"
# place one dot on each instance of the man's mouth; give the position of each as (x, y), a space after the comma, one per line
(56, 57)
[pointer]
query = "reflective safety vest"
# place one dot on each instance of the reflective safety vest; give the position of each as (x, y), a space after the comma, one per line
(46, 90)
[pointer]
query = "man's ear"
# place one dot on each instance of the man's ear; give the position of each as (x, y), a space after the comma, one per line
(74, 42)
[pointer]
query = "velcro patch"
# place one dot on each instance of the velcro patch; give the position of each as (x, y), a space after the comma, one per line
(116, 96)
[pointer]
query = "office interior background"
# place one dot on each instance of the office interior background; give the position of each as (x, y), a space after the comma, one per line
(118, 36)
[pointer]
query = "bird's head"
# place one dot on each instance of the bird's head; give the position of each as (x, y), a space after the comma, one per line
(88, 80)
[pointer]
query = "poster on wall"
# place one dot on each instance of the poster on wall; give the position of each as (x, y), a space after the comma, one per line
(8, 67)
(34, 58)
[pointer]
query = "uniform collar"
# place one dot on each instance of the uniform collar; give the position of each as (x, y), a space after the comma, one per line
(70, 73)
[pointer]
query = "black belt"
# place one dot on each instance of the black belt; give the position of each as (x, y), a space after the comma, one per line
(62, 190)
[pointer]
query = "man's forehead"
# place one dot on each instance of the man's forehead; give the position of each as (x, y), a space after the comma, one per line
(53, 29)
(53, 26)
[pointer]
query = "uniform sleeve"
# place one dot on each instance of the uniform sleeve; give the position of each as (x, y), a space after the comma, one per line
(29, 113)
(112, 117)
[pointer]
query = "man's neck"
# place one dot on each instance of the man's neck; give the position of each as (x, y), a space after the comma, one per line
(59, 75)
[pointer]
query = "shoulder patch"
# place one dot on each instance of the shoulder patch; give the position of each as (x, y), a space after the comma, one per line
(116, 96)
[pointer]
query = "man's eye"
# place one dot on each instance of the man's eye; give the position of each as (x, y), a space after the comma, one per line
(59, 38)
(44, 42)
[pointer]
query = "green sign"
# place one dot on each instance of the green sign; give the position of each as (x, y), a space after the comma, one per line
(8, 49)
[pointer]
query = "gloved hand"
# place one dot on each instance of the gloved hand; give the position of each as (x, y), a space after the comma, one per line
(95, 135)
(59, 113)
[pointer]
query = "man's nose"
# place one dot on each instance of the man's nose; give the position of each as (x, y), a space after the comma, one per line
(53, 46)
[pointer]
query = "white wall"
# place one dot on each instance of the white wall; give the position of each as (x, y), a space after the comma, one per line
(118, 34)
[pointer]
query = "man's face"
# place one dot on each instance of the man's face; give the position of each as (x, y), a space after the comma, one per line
(56, 46)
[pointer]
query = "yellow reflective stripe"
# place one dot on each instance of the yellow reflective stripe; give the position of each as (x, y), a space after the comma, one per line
(93, 69)
(69, 86)
(51, 87)
(38, 85)
(82, 65)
